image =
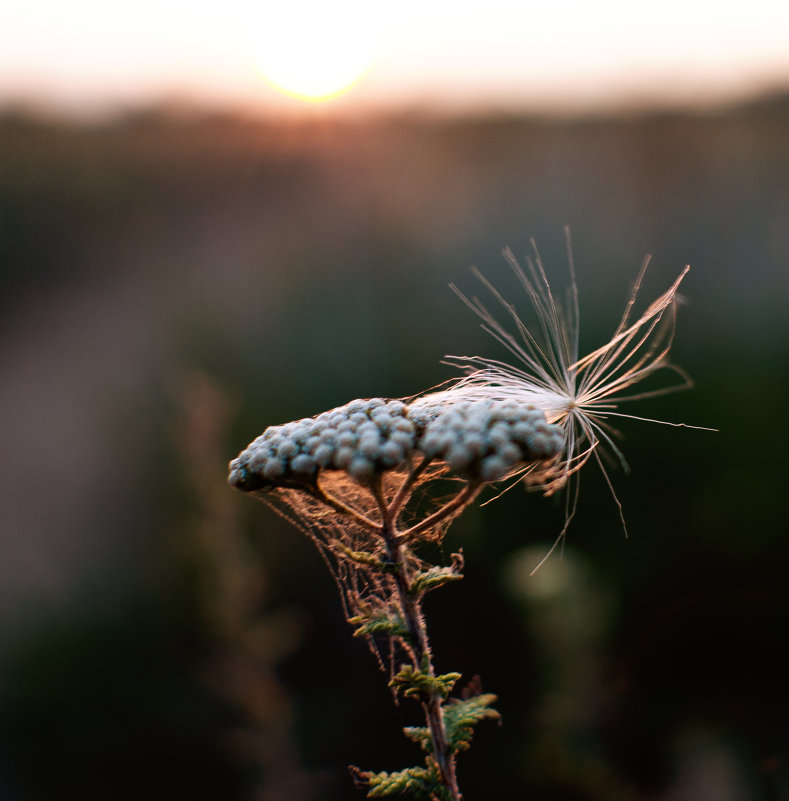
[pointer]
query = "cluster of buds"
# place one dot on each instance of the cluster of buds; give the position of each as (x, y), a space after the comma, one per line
(362, 437)
(485, 440)
(480, 440)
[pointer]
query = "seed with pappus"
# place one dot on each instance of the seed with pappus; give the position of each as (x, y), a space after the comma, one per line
(579, 395)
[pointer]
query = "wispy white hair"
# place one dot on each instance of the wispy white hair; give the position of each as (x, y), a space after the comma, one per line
(580, 394)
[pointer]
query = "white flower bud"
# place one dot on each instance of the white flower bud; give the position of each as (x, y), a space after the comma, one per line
(323, 455)
(274, 468)
(391, 454)
(335, 417)
(368, 429)
(499, 434)
(432, 444)
(396, 407)
(255, 459)
(346, 439)
(475, 443)
(510, 453)
(302, 464)
(402, 438)
(329, 436)
(286, 448)
(538, 444)
(312, 443)
(343, 457)
(403, 424)
(493, 468)
(459, 457)
(361, 469)
(522, 430)
(370, 446)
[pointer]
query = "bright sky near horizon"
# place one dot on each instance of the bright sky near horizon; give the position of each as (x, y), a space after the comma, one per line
(90, 54)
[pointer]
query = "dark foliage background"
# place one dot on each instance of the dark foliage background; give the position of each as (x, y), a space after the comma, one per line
(173, 282)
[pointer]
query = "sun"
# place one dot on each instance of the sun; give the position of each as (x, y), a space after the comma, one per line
(314, 50)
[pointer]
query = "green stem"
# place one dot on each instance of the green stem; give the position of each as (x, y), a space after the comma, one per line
(411, 611)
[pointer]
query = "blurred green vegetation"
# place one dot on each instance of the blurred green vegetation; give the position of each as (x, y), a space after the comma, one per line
(173, 282)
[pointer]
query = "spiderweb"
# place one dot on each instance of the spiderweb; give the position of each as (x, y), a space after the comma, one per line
(353, 543)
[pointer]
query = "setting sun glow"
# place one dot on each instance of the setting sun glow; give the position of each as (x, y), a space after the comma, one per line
(315, 51)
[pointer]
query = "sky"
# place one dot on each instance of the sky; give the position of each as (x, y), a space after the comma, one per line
(91, 55)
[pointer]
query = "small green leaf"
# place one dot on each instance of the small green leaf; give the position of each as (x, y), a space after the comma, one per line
(379, 622)
(419, 735)
(418, 783)
(418, 684)
(460, 717)
(433, 578)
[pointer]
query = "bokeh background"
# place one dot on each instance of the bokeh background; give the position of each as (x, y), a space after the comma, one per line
(178, 273)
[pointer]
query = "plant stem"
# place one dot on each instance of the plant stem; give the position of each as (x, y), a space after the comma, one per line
(411, 611)
(405, 488)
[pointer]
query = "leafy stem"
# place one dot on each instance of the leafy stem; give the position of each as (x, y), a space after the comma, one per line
(411, 611)
(394, 611)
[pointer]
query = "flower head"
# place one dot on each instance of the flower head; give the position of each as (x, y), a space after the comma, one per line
(482, 440)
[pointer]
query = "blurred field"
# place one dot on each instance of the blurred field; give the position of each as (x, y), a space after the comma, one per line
(173, 282)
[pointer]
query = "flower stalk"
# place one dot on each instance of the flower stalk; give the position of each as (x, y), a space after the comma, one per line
(410, 608)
